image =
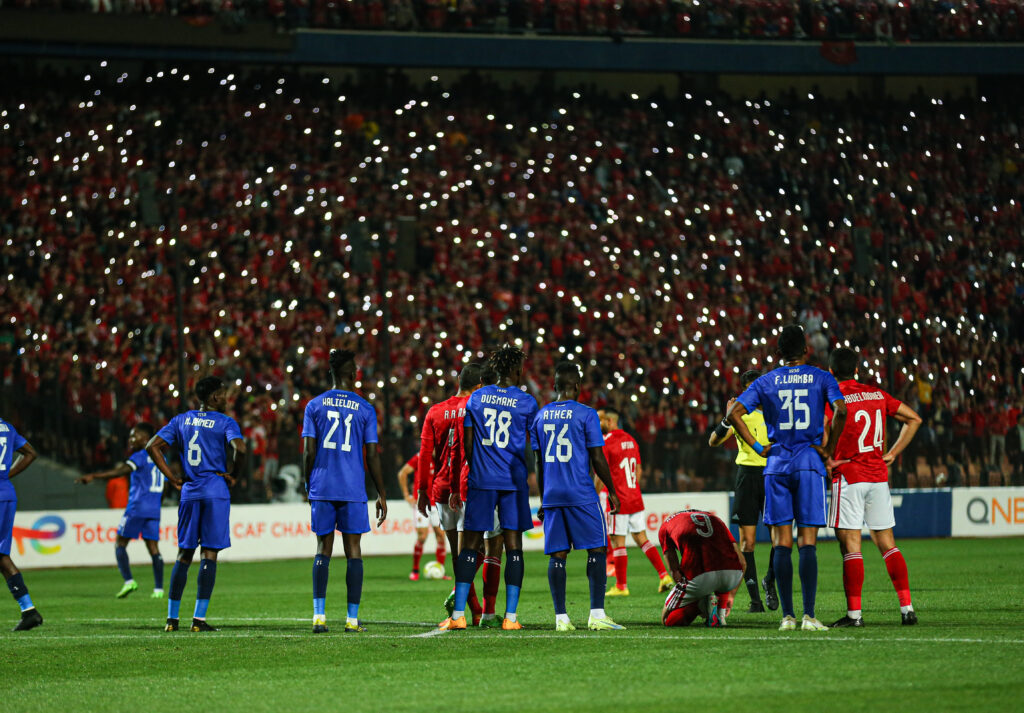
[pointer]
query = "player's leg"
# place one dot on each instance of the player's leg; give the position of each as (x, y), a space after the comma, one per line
(846, 513)
(620, 557)
(477, 516)
(353, 521)
(214, 535)
(638, 529)
(153, 547)
(556, 583)
(493, 547)
(321, 575)
(585, 529)
(778, 516)
(417, 548)
(880, 519)
(811, 513)
(771, 597)
(687, 600)
(188, 541)
(441, 548)
(515, 517)
(30, 617)
(745, 513)
(128, 529)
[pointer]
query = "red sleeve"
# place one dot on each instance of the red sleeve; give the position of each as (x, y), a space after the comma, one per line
(892, 405)
(424, 473)
(663, 538)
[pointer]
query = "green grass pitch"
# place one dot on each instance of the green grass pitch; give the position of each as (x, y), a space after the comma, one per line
(98, 653)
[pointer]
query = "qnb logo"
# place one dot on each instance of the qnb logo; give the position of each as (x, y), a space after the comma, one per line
(46, 528)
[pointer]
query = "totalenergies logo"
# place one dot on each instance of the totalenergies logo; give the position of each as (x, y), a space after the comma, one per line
(48, 527)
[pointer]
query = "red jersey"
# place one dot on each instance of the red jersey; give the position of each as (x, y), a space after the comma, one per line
(703, 541)
(623, 455)
(434, 474)
(414, 463)
(863, 439)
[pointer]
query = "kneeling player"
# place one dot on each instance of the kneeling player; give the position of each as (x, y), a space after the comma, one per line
(706, 565)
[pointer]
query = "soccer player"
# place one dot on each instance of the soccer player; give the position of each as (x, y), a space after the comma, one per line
(339, 436)
(793, 398)
(706, 565)
(12, 442)
(749, 501)
(860, 488)
(495, 436)
(567, 442)
(425, 521)
(142, 516)
(623, 456)
(212, 454)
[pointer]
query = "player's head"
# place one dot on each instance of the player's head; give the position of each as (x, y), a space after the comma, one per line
(343, 365)
(843, 363)
(211, 392)
(140, 435)
(567, 379)
(609, 416)
(792, 343)
(749, 377)
(508, 362)
(488, 374)
(469, 377)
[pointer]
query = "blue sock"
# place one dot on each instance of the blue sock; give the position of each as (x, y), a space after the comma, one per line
(783, 560)
(121, 555)
(556, 580)
(513, 580)
(465, 571)
(598, 576)
(321, 568)
(179, 577)
(354, 583)
(204, 586)
(809, 577)
(158, 572)
(19, 591)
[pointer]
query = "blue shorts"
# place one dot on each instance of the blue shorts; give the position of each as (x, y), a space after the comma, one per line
(131, 527)
(204, 522)
(796, 496)
(7, 509)
(513, 510)
(329, 515)
(574, 527)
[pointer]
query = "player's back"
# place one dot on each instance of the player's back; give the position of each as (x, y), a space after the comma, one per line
(562, 433)
(342, 423)
(147, 486)
(10, 442)
(862, 442)
(439, 425)
(704, 542)
(623, 456)
(500, 417)
(202, 438)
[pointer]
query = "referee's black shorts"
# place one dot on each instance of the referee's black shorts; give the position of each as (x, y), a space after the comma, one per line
(748, 504)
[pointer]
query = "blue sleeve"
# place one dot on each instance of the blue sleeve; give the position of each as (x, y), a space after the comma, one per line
(531, 417)
(751, 398)
(231, 430)
(136, 460)
(17, 440)
(169, 433)
(533, 432)
(308, 423)
(370, 429)
(832, 391)
(468, 420)
(592, 430)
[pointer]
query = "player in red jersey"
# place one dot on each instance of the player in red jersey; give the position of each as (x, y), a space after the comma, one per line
(860, 484)
(706, 565)
(424, 521)
(623, 456)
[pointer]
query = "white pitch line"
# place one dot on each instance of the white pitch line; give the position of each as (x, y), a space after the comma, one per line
(428, 634)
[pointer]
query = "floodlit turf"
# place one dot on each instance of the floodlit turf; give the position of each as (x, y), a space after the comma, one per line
(98, 653)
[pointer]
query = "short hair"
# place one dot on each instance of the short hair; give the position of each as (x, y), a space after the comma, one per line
(207, 387)
(749, 377)
(507, 359)
(792, 342)
(488, 374)
(566, 370)
(610, 411)
(146, 428)
(339, 358)
(469, 376)
(843, 362)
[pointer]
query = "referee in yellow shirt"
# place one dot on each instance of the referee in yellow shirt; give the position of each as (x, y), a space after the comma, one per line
(748, 502)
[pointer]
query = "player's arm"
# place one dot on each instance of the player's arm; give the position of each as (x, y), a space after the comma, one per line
(911, 422)
(735, 417)
(157, 448)
(723, 430)
(238, 456)
(600, 465)
(835, 430)
(118, 471)
(424, 475)
(372, 455)
(403, 477)
(26, 454)
(672, 559)
(539, 461)
(308, 459)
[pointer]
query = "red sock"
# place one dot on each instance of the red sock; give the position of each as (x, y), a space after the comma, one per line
(621, 563)
(417, 554)
(610, 553)
(441, 552)
(897, 567)
(853, 579)
(651, 550)
(472, 601)
(492, 580)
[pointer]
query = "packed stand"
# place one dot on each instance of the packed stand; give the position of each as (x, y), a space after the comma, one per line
(660, 242)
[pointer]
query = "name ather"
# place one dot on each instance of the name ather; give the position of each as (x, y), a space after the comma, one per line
(559, 414)
(341, 403)
(795, 379)
(864, 396)
(499, 400)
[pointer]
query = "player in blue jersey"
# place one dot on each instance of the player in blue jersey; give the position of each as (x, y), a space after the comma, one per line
(339, 435)
(142, 516)
(495, 435)
(567, 441)
(11, 443)
(212, 453)
(792, 399)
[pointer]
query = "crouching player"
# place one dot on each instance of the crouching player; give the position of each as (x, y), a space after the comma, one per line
(705, 563)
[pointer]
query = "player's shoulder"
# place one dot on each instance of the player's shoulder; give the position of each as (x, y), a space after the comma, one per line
(7, 427)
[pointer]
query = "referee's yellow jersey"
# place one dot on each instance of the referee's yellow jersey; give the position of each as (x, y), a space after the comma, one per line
(746, 455)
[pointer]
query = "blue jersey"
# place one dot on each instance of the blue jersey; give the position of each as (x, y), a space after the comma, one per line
(202, 437)
(147, 486)
(793, 400)
(500, 417)
(10, 442)
(342, 423)
(562, 433)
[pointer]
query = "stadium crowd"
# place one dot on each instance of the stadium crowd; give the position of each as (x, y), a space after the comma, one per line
(659, 241)
(883, 20)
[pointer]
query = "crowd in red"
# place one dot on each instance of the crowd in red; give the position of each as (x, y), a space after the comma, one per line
(658, 241)
(886, 20)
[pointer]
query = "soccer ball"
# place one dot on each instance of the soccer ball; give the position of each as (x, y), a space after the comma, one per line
(433, 570)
